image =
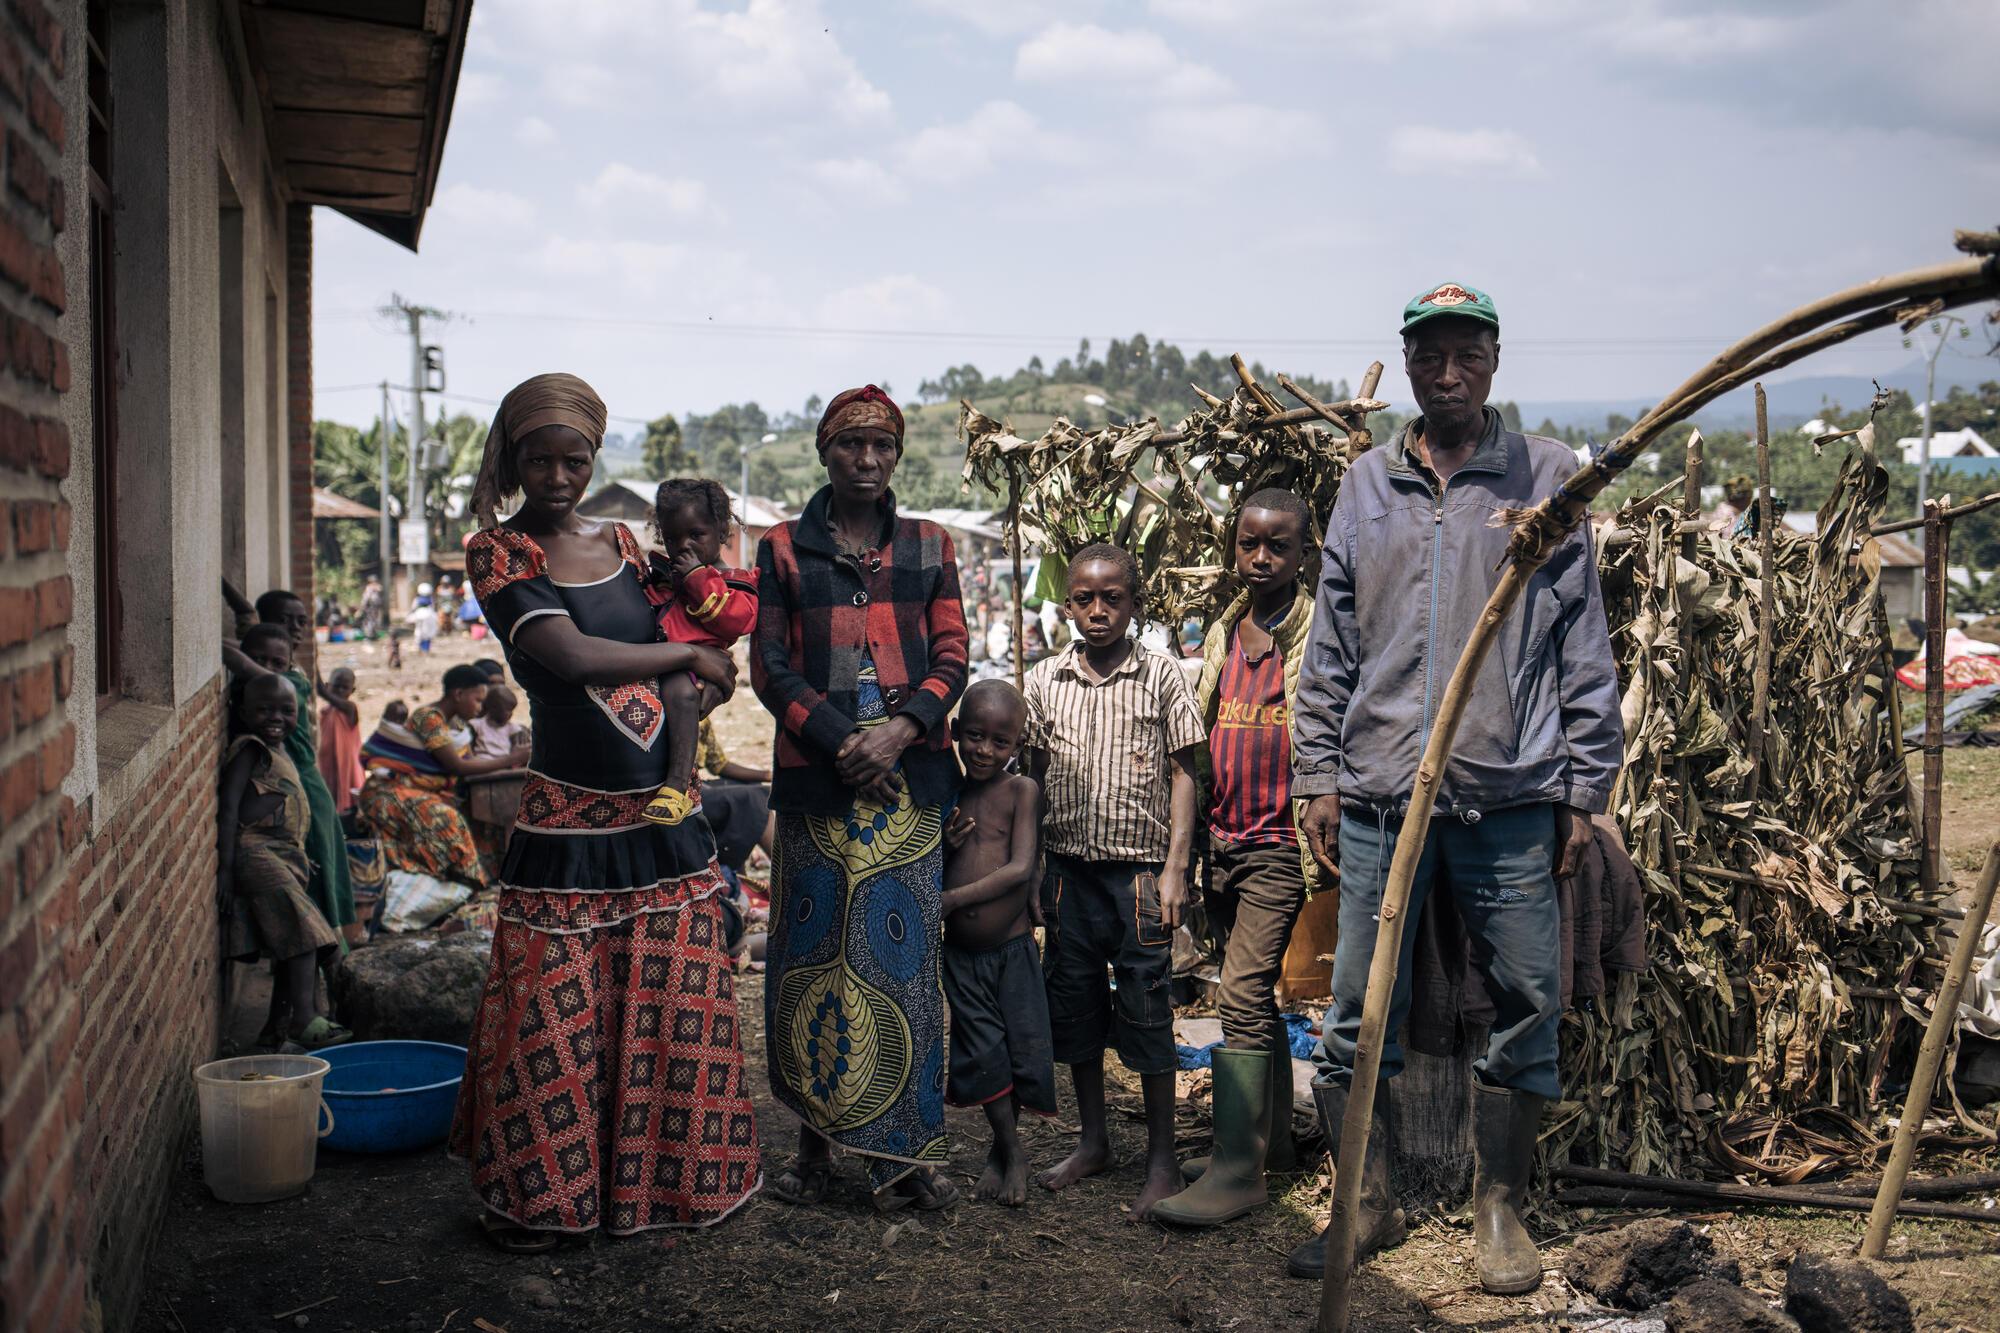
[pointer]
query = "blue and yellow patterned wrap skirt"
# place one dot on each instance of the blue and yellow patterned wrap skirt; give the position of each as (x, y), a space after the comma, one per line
(853, 1005)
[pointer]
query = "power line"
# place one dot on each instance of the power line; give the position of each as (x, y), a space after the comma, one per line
(1581, 343)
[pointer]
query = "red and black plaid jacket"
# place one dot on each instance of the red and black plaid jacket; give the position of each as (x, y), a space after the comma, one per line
(820, 614)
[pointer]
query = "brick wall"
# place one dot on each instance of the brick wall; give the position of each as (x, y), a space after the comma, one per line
(108, 934)
(299, 391)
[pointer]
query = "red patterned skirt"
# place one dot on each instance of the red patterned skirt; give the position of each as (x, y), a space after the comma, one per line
(604, 1086)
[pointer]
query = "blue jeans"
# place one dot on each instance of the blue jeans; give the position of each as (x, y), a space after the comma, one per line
(1501, 873)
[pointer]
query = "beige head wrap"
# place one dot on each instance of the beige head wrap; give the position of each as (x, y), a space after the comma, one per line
(555, 399)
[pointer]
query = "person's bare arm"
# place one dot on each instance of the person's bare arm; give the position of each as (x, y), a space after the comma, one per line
(345, 707)
(239, 665)
(1020, 864)
(581, 659)
(735, 772)
(464, 766)
(1180, 838)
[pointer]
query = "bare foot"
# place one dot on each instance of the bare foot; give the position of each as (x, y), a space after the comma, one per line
(1005, 1180)
(1161, 1181)
(988, 1188)
(1089, 1159)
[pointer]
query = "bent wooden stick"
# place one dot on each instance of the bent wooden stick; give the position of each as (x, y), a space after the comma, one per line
(1536, 535)
(1937, 1035)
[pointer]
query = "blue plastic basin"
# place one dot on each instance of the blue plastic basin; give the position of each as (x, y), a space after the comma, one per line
(391, 1096)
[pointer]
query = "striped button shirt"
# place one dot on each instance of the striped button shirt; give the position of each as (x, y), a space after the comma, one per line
(1107, 789)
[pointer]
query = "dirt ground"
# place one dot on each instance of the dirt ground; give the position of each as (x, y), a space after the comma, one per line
(387, 1243)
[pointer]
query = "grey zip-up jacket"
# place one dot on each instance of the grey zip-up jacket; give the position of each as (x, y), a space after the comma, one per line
(1408, 567)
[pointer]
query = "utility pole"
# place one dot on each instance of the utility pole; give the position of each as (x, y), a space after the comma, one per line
(414, 315)
(382, 493)
(1942, 327)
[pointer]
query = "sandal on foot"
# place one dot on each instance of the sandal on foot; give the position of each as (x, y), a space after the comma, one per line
(513, 1238)
(321, 1033)
(926, 1191)
(803, 1183)
(669, 806)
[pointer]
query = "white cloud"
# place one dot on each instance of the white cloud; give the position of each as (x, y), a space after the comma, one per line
(768, 60)
(534, 132)
(998, 131)
(475, 89)
(861, 177)
(997, 18)
(475, 207)
(1423, 150)
(896, 301)
(1086, 53)
(625, 189)
(1234, 131)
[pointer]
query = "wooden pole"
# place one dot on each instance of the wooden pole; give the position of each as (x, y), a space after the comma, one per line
(1767, 595)
(1937, 544)
(1535, 538)
(1014, 635)
(1361, 441)
(1956, 511)
(1937, 1035)
(1661, 1192)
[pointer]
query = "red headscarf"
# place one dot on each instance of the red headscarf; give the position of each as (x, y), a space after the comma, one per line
(865, 406)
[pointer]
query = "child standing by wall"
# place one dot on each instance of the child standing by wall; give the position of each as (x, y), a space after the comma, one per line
(262, 867)
(1114, 736)
(699, 603)
(1001, 1059)
(340, 740)
(1259, 880)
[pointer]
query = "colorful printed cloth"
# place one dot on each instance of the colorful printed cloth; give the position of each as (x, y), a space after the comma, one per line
(410, 809)
(605, 1086)
(853, 1005)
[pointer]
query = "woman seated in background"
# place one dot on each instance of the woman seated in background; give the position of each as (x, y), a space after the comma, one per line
(408, 801)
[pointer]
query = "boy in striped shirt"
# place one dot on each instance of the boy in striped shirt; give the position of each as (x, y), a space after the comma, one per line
(1113, 736)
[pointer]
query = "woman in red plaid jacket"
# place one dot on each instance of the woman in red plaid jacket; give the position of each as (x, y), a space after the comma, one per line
(860, 654)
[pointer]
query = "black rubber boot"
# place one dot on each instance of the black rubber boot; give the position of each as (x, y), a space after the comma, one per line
(1505, 1123)
(1381, 1220)
(1234, 1182)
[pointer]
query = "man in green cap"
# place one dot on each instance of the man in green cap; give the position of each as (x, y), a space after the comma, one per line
(1413, 550)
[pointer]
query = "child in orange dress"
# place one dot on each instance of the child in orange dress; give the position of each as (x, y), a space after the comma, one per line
(699, 602)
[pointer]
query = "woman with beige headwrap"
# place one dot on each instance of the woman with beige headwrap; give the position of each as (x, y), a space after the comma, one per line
(607, 1035)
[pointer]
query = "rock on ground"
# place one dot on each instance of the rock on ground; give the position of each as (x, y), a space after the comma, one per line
(1828, 1295)
(413, 989)
(1710, 1305)
(1639, 1265)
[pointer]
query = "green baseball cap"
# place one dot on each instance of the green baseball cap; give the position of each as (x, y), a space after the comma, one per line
(1450, 298)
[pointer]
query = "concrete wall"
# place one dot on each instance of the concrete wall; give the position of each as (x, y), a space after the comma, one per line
(108, 967)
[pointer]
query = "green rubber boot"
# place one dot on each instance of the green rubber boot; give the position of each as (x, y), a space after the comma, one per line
(1234, 1182)
(1280, 1154)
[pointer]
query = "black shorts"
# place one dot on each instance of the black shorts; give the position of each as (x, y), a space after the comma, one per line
(1106, 914)
(999, 1026)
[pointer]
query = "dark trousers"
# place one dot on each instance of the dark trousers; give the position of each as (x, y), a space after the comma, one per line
(1255, 892)
(736, 813)
(1501, 872)
(1107, 914)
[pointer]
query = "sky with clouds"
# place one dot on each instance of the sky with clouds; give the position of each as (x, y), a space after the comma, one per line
(692, 202)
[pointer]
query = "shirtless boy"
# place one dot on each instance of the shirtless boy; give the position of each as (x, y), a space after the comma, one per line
(1001, 1057)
